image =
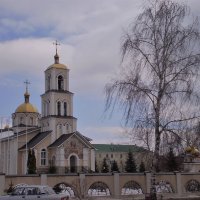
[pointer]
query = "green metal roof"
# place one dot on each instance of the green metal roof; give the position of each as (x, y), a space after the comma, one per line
(117, 148)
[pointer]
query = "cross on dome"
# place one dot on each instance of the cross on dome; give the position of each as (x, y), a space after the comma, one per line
(56, 44)
(27, 83)
(26, 95)
(56, 57)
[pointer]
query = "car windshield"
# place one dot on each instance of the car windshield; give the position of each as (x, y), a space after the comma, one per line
(32, 191)
(18, 191)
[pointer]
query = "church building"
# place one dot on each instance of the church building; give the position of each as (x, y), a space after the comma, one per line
(52, 136)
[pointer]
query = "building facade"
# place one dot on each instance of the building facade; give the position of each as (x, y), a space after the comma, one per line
(53, 135)
(118, 153)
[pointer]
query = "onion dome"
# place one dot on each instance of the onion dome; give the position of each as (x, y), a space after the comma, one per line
(195, 151)
(26, 107)
(56, 64)
(188, 149)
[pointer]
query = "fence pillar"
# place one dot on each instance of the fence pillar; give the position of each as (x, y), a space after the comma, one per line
(43, 179)
(178, 184)
(148, 182)
(116, 185)
(2, 183)
(82, 185)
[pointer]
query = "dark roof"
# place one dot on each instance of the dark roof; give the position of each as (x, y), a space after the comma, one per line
(64, 137)
(24, 125)
(117, 148)
(80, 135)
(35, 140)
(60, 140)
(85, 139)
(28, 130)
(5, 129)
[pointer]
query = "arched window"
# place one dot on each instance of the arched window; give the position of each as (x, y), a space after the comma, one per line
(58, 130)
(48, 83)
(43, 157)
(73, 164)
(53, 161)
(21, 120)
(58, 108)
(163, 187)
(45, 108)
(193, 186)
(68, 128)
(131, 188)
(65, 109)
(99, 189)
(60, 83)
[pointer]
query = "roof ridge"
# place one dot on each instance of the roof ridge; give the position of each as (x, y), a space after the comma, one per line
(35, 140)
(59, 141)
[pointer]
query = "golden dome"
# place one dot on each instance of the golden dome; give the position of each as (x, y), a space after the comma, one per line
(195, 152)
(57, 66)
(26, 108)
(188, 149)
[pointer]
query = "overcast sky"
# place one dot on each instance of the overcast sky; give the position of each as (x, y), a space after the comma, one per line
(89, 32)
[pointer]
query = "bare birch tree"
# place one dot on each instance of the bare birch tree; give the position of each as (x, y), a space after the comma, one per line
(157, 87)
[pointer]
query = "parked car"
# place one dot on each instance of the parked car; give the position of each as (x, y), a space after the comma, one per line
(34, 192)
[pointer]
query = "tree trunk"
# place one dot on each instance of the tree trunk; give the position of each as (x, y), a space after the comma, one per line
(155, 166)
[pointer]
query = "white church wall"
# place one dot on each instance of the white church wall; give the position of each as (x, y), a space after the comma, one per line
(13, 153)
(62, 157)
(85, 157)
(92, 159)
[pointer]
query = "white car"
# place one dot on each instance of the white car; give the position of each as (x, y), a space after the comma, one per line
(34, 192)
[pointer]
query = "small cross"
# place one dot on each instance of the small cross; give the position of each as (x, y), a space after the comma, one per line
(27, 83)
(56, 43)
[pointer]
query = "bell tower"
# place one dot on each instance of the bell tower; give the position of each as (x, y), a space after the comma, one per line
(57, 101)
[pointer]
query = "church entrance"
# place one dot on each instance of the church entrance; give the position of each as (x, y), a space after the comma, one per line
(73, 164)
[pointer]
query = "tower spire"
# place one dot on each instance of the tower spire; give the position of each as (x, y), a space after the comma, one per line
(26, 94)
(56, 57)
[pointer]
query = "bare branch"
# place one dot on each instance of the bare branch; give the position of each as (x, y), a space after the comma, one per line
(158, 89)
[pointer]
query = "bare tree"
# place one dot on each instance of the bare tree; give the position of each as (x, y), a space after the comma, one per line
(79, 188)
(141, 135)
(192, 135)
(158, 83)
(187, 136)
